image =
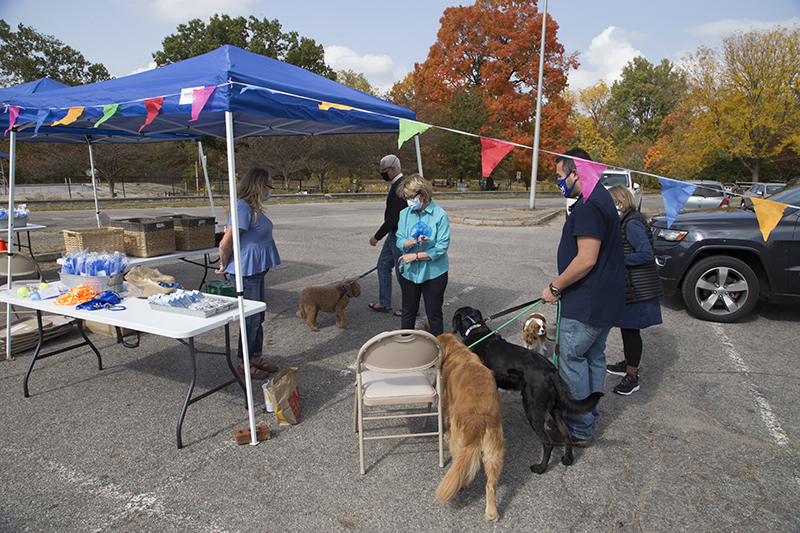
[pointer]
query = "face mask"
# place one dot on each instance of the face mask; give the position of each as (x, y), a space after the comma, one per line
(562, 184)
(265, 198)
(385, 176)
(619, 211)
(414, 204)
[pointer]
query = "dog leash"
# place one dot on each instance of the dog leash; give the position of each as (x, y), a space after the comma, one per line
(373, 269)
(534, 304)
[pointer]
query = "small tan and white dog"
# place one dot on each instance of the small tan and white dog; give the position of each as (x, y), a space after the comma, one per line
(534, 332)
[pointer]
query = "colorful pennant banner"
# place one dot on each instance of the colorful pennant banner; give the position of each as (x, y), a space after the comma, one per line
(769, 213)
(199, 99)
(409, 128)
(675, 194)
(325, 106)
(153, 106)
(492, 152)
(41, 116)
(72, 116)
(13, 111)
(108, 112)
(589, 173)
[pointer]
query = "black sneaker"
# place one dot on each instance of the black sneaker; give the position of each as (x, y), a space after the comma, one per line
(628, 385)
(618, 369)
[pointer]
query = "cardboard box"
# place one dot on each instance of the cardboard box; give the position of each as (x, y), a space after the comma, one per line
(106, 330)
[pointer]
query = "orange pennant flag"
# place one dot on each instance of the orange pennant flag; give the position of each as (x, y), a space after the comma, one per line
(492, 152)
(768, 213)
(72, 116)
(153, 106)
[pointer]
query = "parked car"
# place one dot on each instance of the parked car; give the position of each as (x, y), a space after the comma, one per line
(763, 190)
(730, 188)
(611, 178)
(720, 263)
(707, 195)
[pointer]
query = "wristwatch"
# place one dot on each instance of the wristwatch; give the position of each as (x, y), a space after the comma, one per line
(555, 292)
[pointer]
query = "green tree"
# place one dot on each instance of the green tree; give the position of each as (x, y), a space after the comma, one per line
(742, 104)
(590, 119)
(27, 55)
(640, 100)
(356, 80)
(264, 37)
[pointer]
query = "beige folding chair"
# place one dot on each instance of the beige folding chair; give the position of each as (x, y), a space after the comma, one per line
(21, 265)
(391, 371)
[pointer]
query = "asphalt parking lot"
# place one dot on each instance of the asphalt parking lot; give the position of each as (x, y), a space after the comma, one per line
(709, 443)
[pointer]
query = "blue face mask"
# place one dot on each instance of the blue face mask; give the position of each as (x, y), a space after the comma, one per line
(414, 204)
(265, 198)
(562, 184)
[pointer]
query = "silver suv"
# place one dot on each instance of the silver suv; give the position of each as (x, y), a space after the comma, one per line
(611, 178)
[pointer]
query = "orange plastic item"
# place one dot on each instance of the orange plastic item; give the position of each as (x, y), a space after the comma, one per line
(3, 246)
(76, 295)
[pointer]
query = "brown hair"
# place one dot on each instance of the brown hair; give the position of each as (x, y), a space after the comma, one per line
(622, 196)
(251, 188)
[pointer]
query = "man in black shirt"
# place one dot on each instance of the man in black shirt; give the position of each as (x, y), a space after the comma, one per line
(390, 253)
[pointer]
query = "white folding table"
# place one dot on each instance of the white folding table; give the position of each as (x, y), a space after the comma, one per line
(138, 316)
(28, 228)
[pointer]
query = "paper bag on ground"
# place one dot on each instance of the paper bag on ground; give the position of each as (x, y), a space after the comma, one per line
(286, 396)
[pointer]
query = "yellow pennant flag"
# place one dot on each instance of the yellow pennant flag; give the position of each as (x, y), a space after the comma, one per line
(768, 213)
(324, 106)
(409, 128)
(72, 116)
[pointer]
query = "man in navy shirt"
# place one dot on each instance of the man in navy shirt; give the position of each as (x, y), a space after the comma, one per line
(591, 287)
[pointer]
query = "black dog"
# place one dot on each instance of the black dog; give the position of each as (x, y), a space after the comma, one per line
(517, 368)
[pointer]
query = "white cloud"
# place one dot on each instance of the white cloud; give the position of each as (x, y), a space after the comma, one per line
(715, 31)
(608, 53)
(380, 70)
(150, 66)
(185, 10)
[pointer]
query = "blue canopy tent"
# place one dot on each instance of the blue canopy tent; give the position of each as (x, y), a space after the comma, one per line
(228, 93)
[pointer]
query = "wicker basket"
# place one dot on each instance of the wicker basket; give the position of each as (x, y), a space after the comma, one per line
(94, 239)
(148, 237)
(193, 233)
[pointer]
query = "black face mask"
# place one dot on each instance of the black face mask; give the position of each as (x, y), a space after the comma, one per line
(385, 176)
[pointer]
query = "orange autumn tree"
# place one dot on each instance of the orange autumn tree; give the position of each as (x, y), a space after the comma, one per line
(481, 77)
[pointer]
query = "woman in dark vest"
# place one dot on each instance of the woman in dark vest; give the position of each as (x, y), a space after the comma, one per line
(642, 289)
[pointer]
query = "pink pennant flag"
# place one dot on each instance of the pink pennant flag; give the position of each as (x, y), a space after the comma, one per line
(589, 174)
(199, 99)
(13, 111)
(153, 106)
(493, 151)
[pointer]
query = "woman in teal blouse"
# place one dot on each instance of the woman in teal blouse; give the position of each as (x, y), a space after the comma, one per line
(423, 233)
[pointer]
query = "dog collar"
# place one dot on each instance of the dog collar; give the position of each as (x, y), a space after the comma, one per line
(469, 329)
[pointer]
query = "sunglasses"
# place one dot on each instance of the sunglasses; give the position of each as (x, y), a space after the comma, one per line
(412, 197)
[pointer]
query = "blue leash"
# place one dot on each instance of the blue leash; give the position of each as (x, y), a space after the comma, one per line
(104, 300)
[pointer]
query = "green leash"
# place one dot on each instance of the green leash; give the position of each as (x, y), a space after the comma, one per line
(537, 302)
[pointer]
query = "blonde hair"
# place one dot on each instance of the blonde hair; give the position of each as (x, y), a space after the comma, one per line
(623, 196)
(251, 189)
(416, 184)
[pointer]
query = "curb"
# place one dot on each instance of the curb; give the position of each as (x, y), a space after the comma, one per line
(475, 221)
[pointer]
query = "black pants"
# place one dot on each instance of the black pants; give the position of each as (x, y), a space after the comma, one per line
(632, 346)
(432, 291)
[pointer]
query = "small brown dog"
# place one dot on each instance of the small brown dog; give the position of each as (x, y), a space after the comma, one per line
(330, 299)
(534, 332)
(472, 414)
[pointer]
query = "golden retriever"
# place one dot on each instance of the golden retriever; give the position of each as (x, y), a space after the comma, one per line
(330, 299)
(472, 414)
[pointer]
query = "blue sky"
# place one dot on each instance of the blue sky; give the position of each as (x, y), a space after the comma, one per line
(384, 39)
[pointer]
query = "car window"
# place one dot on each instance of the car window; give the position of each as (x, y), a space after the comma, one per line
(755, 188)
(788, 196)
(772, 189)
(609, 180)
(707, 191)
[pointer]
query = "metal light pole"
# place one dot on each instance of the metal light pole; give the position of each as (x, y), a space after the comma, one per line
(535, 165)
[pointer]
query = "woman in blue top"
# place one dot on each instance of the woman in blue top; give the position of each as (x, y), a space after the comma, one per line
(642, 289)
(423, 233)
(258, 255)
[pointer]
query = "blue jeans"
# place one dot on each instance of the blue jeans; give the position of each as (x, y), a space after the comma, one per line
(388, 261)
(253, 288)
(582, 367)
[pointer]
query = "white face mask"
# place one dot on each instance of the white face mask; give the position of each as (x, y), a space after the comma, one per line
(619, 211)
(414, 204)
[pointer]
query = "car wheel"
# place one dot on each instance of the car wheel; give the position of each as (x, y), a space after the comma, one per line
(720, 289)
